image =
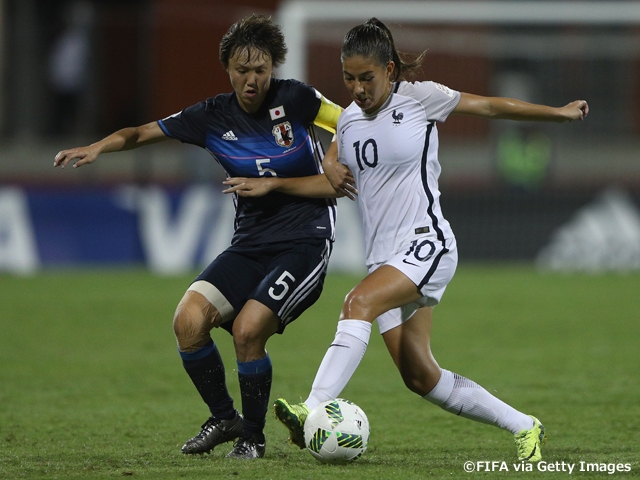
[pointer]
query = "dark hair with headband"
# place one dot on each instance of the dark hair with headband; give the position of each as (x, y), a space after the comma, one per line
(373, 40)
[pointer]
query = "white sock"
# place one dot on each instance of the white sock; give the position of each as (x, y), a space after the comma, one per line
(340, 361)
(466, 398)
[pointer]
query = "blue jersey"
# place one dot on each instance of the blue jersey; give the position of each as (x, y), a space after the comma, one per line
(277, 140)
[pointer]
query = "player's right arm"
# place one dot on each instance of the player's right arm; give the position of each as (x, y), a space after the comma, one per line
(124, 139)
(338, 174)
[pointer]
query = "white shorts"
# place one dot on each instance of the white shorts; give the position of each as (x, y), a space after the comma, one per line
(429, 265)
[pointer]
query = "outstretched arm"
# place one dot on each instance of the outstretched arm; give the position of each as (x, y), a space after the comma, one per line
(125, 139)
(512, 109)
(316, 186)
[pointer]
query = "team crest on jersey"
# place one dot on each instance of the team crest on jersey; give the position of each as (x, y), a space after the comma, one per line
(397, 117)
(283, 132)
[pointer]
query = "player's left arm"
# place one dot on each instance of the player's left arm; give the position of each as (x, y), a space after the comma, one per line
(315, 186)
(338, 174)
(513, 109)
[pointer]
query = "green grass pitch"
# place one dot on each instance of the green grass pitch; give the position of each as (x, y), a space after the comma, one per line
(91, 385)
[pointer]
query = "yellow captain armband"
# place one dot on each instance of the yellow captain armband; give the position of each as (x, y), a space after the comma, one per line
(328, 114)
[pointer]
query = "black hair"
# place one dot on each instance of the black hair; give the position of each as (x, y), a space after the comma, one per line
(373, 40)
(257, 32)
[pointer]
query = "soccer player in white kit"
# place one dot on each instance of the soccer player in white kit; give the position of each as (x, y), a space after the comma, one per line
(388, 138)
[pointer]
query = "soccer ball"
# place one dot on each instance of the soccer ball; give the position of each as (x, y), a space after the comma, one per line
(336, 431)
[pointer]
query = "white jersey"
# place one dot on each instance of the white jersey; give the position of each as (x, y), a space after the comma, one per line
(393, 154)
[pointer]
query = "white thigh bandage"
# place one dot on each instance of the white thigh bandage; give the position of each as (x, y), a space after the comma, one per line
(215, 298)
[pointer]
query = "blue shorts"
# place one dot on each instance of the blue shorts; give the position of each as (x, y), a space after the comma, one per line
(286, 277)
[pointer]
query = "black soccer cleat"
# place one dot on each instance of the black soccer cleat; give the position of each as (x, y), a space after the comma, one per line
(214, 432)
(248, 448)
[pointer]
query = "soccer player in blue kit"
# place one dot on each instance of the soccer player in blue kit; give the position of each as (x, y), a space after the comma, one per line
(277, 261)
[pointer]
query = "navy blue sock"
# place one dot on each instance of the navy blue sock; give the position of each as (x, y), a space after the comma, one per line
(206, 370)
(255, 388)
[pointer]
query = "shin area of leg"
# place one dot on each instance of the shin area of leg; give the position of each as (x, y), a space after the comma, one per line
(340, 361)
(464, 397)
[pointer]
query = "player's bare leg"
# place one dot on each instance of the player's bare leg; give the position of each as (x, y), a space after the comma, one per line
(380, 291)
(409, 346)
(194, 318)
(253, 326)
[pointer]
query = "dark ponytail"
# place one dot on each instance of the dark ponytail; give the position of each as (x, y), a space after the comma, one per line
(373, 40)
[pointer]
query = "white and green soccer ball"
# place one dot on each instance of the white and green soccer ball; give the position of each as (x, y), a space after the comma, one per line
(336, 431)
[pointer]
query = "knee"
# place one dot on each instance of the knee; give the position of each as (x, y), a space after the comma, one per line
(245, 336)
(248, 343)
(191, 325)
(415, 384)
(250, 340)
(422, 381)
(357, 304)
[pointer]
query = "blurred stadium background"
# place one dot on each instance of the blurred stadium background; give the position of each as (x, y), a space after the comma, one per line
(566, 197)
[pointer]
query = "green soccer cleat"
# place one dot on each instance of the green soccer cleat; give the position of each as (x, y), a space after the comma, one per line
(293, 417)
(528, 442)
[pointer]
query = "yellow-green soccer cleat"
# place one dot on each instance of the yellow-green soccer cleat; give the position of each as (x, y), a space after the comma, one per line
(292, 417)
(528, 442)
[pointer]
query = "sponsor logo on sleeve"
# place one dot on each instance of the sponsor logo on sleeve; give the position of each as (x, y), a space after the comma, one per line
(444, 89)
